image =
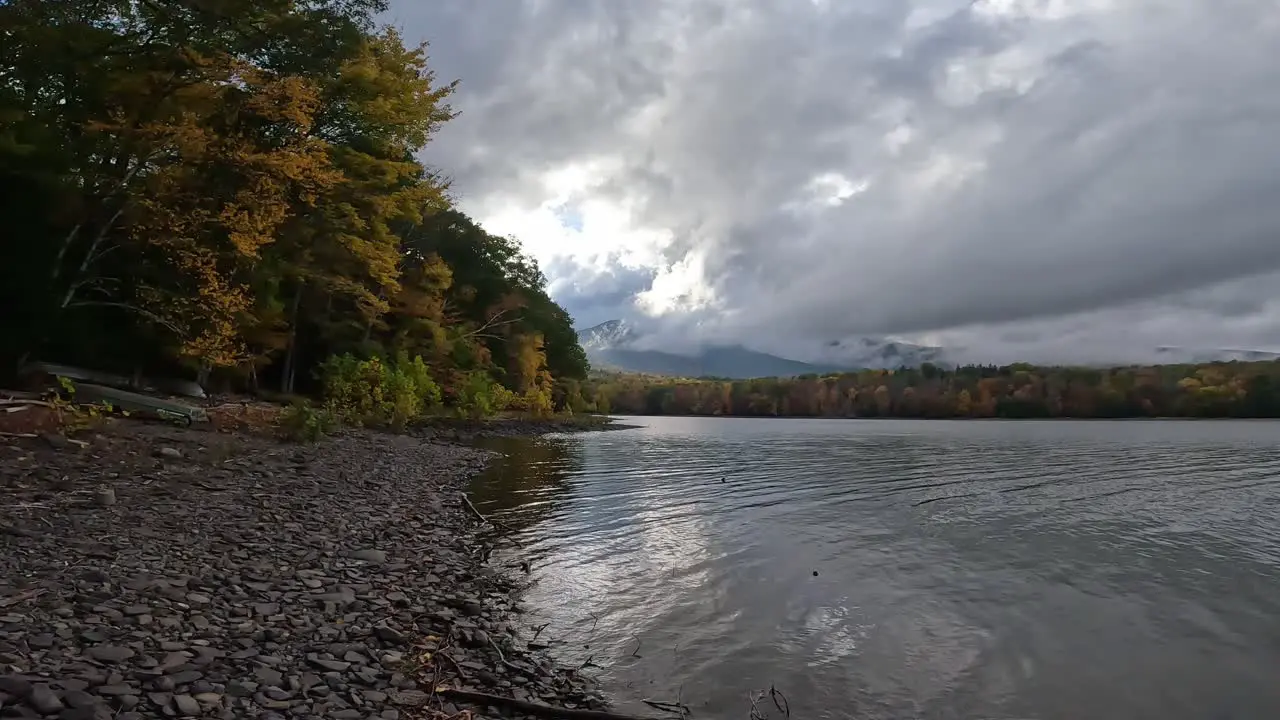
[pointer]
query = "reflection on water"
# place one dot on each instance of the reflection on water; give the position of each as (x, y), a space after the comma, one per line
(532, 476)
(999, 570)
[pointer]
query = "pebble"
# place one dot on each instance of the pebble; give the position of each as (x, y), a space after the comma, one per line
(270, 582)
(110, 653)
(44, 700)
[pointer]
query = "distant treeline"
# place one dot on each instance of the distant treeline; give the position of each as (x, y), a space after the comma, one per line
(1221, 390)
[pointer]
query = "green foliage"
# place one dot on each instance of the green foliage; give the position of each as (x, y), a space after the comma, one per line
(301, 422)
(379, 393)
(73, 417)
(479, 396)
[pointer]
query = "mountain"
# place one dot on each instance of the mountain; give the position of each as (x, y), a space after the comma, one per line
(1193, 356)
(612, 346)
(606, 335)
(730, 361)
(609, 347)
(866, 352)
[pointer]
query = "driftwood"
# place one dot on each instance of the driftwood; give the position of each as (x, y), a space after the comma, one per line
(461, 673)
(9, 401)
(678, 708)
(546, 711)
(478, 514)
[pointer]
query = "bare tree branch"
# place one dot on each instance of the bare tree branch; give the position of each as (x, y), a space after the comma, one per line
(164, 322)
(492, 322)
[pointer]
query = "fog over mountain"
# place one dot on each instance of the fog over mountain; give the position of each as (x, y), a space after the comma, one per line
(618, 345)
(1002, 179)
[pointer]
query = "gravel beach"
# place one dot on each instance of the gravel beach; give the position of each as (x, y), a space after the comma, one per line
(162, 572)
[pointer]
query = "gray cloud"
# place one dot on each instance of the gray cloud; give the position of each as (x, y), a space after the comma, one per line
(595, 297)
(1094, 170)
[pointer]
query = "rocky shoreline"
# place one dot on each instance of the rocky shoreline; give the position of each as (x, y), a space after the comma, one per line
(163, 572)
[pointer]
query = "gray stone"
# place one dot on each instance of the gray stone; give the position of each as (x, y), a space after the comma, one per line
(120, 689)
(15, 685)
(240, 688)
(169, 453)
(163, 684)
(89, 712)
(370, 555)
(79, 698)
(104, 497)
(43, 641)
(186, 676)
(186, 705)
(389, 634)
(44, 699)
(110, 653)
(332, 665)
(267, 676)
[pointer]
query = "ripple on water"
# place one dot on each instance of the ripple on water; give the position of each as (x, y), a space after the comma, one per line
(966, 569)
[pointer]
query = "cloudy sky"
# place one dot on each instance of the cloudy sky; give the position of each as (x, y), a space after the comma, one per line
(1032, 177)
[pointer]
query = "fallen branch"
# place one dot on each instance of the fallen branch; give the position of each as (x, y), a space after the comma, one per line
(41, 403)
(454, 663)
(673, 707)
(546, 711)
(503, 658)
(480, 515)
(785, 707)
(18, 435)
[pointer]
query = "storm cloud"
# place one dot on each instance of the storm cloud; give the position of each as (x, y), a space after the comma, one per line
(1030, 177)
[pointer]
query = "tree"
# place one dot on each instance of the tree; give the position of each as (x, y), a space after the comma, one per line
(232, 188)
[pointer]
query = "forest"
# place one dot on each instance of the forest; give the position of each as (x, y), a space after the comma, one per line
(1221, 390)
(230, 190)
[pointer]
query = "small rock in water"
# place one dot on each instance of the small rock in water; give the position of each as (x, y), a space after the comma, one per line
(170, 453)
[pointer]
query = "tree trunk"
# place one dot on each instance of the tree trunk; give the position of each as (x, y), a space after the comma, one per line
(291, 355)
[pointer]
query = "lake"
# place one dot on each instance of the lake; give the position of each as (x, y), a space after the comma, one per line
(908, 569)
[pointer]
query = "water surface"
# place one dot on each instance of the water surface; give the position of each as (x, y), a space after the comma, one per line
(963, 569)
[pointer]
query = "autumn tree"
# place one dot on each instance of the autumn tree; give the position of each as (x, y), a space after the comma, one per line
(232, 188)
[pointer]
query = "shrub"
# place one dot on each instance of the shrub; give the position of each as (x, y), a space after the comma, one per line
(300, 422)
(377, 392)
(479, 396)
